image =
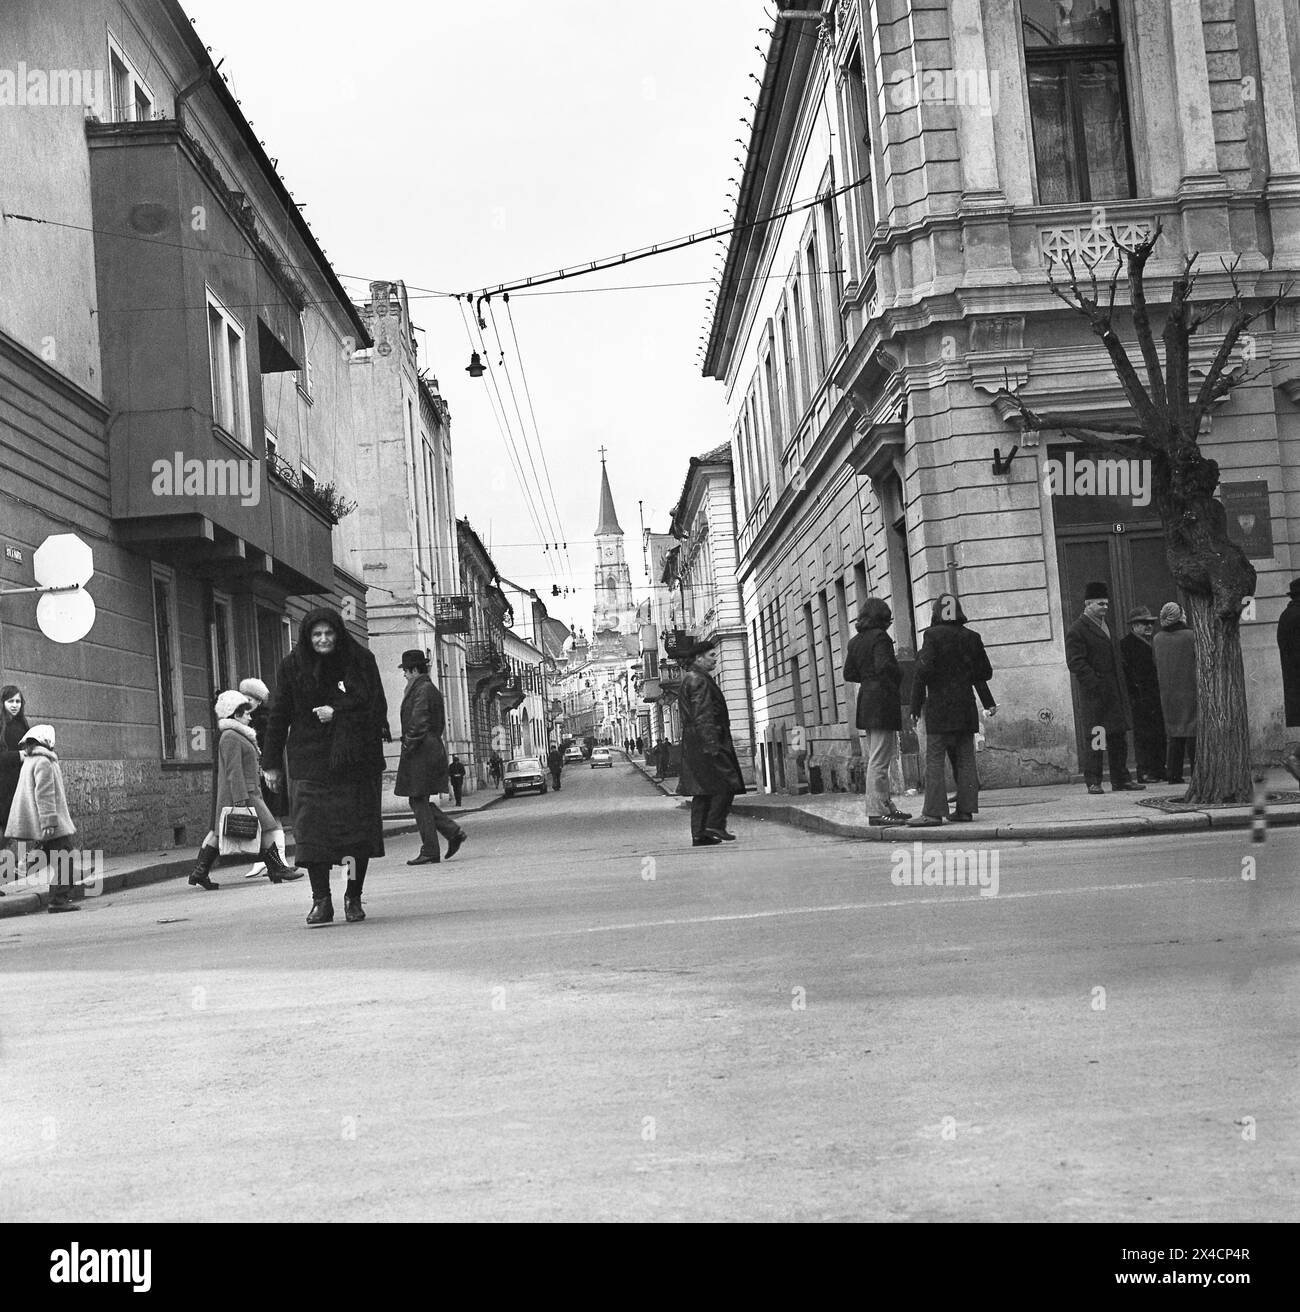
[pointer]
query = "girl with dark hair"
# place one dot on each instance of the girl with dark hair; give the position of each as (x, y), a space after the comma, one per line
(871, 664)
(329, 720)
(13, 724)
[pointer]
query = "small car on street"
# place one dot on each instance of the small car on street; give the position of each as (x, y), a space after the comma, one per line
(524, 772)
(601, 756)
(572, 753)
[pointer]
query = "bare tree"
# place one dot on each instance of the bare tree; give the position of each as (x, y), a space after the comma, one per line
(1168, 413)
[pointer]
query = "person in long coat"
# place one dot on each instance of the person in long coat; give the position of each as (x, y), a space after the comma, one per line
(1175, 655)
(39, 812)
(555, 764)
(951, 666)
(1142, 683)
(238, 784)
(710, 773)
(329, 720)
(422, 772)
(13, 725)
(1288, 650)
(871, 664)
(1093, 660)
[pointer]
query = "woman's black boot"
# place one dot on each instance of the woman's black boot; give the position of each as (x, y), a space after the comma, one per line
(199, 875)
(322, 911)
(276, 867)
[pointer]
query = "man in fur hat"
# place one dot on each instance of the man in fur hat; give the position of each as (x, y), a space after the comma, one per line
(1105, 720)
(1143, 684)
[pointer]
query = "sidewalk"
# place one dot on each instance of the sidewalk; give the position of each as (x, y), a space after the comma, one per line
(137, 869)
(1053, 811)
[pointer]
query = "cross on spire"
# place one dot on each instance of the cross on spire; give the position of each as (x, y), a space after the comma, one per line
(602, 455)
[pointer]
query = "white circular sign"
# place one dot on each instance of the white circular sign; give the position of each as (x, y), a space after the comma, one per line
(65, 616)
(63, 560)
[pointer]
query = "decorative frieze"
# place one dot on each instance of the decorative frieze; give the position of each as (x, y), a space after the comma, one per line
(1088, 242)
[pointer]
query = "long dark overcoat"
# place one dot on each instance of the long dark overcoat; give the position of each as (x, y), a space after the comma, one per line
(709, 764)
(11, 764)
(872, 665)
(1094, 662)
(336, 770)
(1288, 650)
(1175, 657)
(422, 771)
(951, 664)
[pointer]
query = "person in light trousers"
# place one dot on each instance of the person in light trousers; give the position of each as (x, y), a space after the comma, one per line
(872, 665)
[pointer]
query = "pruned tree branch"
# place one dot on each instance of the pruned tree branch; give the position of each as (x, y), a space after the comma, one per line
(1138, 255)
(1176, 357)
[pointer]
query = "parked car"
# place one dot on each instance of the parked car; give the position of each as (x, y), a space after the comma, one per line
(572, 753)
(526, 772)
(601, 756)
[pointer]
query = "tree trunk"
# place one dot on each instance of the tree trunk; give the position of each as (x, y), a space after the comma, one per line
(1222, 770)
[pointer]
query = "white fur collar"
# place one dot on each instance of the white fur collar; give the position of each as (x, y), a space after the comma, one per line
(245, 729)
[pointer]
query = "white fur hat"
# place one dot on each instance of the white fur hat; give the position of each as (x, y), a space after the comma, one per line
(229, 704)
(39, 733)
(255, 688)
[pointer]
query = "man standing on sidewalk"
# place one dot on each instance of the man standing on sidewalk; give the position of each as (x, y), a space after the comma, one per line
(1090, 653)
(555, 763)
(951, 665)
(1288, 650)
(1143, 684)
(456, 777)
(422, 770)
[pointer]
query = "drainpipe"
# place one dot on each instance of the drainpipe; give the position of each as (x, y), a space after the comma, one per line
(204, 76)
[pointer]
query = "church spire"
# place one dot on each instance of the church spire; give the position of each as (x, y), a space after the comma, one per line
(608, 519)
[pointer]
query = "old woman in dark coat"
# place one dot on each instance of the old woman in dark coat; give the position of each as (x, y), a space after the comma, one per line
(329, 720)
(1175, 655)
(710, 773)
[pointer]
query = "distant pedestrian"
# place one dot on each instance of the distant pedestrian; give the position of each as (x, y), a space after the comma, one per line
(871, 664)
(1175, 655)
(640, 746)
(39, 812)
(1143, 684)
(663, 758)
(555, 763)
(495, 768)
(710, 773)
(13, 725)
(456, 777)
(951, 665)
(1288, 649)
(1092, 658)
(422, 772)
(329, 719)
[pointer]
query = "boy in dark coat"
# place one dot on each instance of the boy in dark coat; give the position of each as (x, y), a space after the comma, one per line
(710, 773)
(555, 763)
(1090, 653)
(1143, 684)
(1288, 650)
(951, 666)
(422, 769)
(871, 664)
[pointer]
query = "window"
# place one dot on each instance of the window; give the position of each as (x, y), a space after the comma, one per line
(758, 654)
(308, 479)
(835, 261)
(1074, 67)
(858, 129)
(272, 446)
(169, 684)
(229, 367)
(829, 646)
(773, 394)
(131, 99)
(800, 342)
(221, 642)
(810, 639)
(860, 592)
(815, 293)
(304, 374)
(791, 391)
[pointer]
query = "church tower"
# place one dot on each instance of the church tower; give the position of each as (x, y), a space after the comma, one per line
(613, 620)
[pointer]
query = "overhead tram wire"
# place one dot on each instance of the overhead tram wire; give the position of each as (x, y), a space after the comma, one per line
(541, 448)
(523, 428)
(506, 440)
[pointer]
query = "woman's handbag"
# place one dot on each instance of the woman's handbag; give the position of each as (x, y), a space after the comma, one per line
(238, 830)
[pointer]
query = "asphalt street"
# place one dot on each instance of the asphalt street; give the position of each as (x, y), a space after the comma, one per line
(583, 1017)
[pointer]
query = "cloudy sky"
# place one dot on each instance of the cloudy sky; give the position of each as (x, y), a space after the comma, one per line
(455, 145)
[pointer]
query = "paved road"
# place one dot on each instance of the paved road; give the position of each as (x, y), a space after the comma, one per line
(582, 1016)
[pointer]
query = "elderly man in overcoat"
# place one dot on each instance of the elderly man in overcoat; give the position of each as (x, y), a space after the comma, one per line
(1141, 679)
(710, 774)
(422, 770)
(1093, 660)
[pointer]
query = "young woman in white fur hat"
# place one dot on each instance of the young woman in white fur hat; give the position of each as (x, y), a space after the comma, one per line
(239, 784)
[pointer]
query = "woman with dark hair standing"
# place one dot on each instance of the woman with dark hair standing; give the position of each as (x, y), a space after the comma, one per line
(13, 724)
(330, 719)
(710, 774)
(872, 665)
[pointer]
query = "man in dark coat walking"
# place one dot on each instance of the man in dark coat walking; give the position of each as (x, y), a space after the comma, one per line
(871, 664)
(1143, 684)
(555, 763)
(951, 666)
(1090, 653)
(663, 758)
(710, 773)
(1288, 650)
(456, 777)
(422, 770)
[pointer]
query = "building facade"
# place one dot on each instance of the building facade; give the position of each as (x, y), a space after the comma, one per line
(174, 389)
(954, 155)
(407, 516)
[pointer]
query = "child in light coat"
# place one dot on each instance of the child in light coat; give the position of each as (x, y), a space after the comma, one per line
(39, 813)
